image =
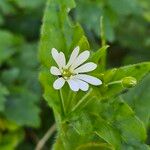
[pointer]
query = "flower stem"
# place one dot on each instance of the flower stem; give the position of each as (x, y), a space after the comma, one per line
(62, 102)
(69, 100)
(81, 101)
(47, 135)
(114, 82)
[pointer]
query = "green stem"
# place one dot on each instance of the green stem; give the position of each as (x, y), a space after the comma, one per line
(62, 102)
(103, 42)
(81, 101)
(71, 98)
(102, 33)
(114, 82)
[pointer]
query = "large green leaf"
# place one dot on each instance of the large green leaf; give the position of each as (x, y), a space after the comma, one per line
(139, 99)
(59, 32)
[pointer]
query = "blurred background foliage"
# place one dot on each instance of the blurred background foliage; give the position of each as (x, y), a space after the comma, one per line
(24, 116)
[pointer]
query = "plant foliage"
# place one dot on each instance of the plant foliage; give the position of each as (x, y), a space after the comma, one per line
(99, 116)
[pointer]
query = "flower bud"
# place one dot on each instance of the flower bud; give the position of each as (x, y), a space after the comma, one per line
(129, 82)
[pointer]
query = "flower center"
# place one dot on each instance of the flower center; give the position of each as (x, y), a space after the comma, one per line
(66, 73)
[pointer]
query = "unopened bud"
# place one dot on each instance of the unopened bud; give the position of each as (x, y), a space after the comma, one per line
(129, 82)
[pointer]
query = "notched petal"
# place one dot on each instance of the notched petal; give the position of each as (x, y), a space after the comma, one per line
(59, 83)
(55, 71)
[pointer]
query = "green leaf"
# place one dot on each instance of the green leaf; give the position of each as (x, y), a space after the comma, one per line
(8, 45)
(90, 17)
(139, 99)
(112, 79)
(59, 32)
(62, 35)
(9, 76)
(11, 140)
(113, 123)
(3, 93)
(29, 4)
(124, 7)
(23, 104)
(98, 58)
(1, 19)
(116, 123)
(6, 7)
(95, 146)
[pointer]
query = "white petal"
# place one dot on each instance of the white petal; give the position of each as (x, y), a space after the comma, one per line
(54, 52)
(89, 79)
(55, 56)
(86, 68)
(73, 85)
(82, 85)
(58, 84)
(62, 59)
(73, 56)
(55, 71)
(80, 59)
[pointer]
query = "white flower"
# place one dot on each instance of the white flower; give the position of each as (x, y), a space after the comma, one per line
(73, 71)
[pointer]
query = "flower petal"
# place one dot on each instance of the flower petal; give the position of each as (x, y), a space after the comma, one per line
(89, 79)
(73, 85)
(86, 68)
(55, 71)
(62, 59)
(55, 56)
(58, 84)
(82, 85)
(80, 59)
(73, 56)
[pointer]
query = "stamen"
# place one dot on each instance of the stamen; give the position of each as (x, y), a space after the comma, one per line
(66, 73)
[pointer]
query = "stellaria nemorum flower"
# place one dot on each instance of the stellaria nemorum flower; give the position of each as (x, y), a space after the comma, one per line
(74, 71)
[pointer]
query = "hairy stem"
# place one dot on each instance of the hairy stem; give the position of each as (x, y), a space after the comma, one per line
(47, 135)
(62, 102)
(114, 82)
(81, 100)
